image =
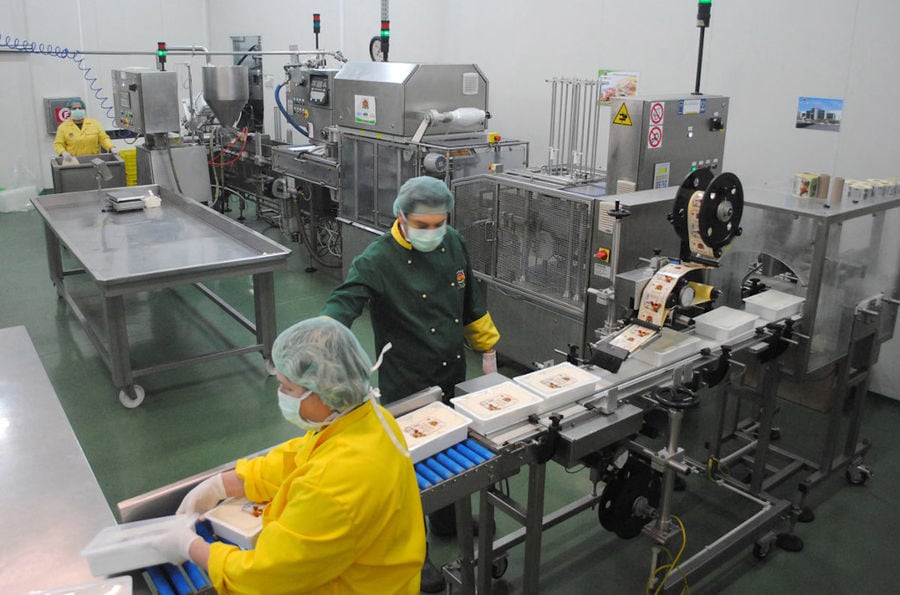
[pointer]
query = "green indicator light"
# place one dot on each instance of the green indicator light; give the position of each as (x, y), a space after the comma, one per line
(693, 169)
(385, 33)
(705, 1)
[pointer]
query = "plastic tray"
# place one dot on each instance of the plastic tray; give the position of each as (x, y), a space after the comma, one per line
(670, 346)
(498, 406)
(724, 324)
(774, 305)
(237, 520)
(129, 546)
(560, 385)
(431, 429)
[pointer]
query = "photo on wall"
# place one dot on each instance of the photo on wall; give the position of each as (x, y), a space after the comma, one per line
(819, 113)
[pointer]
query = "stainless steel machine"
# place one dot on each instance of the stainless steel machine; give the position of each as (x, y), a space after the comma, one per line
(398, 121)
(146, 103)
(654, 142)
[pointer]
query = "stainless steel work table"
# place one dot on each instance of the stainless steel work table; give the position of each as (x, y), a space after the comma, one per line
(180, 242)
(53, 505)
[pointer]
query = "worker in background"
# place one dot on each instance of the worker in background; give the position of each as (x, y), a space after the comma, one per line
(343, 513)
(417, 280)
(80, 135)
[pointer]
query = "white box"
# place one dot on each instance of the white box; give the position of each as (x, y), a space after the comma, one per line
(237, 520)
(560, 385)
(725, 324)
(498, 406)
(774, 305)
(670, 346)
(431, 429)
(129, 546)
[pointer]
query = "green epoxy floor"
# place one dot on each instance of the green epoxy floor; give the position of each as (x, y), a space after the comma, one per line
(198, 417)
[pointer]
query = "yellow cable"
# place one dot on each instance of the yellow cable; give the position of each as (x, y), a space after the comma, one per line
(673, 565)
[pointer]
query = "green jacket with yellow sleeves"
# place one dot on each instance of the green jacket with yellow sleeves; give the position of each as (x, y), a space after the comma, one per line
(426, 304)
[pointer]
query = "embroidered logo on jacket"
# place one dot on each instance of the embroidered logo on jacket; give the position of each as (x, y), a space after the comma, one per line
(461, 278)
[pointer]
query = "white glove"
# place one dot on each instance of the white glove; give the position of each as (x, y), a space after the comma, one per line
(114, 151)
(489, 361)
(65, 155)
(175, 544)
(203, 497)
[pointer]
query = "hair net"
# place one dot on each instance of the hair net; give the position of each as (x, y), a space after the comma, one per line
(423, 196)
(322, 355)
(73, 101)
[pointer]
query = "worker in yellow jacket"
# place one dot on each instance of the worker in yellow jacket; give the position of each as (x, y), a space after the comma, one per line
(80, 135)
(344, 513)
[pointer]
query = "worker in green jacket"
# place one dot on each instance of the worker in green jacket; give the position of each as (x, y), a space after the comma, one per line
(418, 282)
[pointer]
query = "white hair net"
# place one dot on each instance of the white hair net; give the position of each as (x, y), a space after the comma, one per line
(322, 355)
(423, 196)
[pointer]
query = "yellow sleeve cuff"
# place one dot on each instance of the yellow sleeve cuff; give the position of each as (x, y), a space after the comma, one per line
(482, 334)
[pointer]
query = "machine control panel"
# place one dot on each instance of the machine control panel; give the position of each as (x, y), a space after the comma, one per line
(146, 100)
(310, 99)
(655, 142)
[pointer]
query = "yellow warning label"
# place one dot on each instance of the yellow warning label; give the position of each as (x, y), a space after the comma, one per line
(622, 116)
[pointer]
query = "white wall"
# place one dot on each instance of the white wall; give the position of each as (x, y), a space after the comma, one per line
(763, 54)
(83, 25)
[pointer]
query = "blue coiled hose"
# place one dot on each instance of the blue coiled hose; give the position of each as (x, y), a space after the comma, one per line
(62, 53)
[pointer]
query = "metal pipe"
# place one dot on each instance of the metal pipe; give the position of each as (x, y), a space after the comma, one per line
(336, 54)
(553, 89)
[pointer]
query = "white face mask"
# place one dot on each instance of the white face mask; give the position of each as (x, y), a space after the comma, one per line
(290, 409)
(425, 240)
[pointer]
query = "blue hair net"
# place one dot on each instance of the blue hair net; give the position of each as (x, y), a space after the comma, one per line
(74, 100)
(423, 196)
(322, 355)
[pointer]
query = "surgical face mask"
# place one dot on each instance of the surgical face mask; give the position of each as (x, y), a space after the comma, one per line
(290, 409)
(425, 240)
(78, 114)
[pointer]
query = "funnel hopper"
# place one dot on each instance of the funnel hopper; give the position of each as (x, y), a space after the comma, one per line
(226, 90)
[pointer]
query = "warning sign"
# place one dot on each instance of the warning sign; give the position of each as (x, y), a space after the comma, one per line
(657, 113)
(654, 137)
(622, 116)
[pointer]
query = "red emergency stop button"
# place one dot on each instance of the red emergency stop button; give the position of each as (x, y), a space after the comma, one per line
(602, 254)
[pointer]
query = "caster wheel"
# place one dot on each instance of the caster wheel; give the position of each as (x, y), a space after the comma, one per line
(130, 401)
(270, 368)
(858, 474)
(761, 550)
(498, 568)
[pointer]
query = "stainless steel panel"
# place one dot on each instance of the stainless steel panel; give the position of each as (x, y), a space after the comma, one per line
(591, 435)
(146, 100)
(312, 168)
(53, 502)
(687, 138)
(530, 330)
(354, 239)
(72, 178)
(310, 100)
(399, 95)
(191, 168)
(56, 110)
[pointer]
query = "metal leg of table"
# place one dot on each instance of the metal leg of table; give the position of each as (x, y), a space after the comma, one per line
(485, 542)
(533, 528)
(119, 352)
(466, 542)
(264, 302)
(54, 259)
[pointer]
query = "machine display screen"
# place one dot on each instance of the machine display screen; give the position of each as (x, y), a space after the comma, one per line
(318, 89)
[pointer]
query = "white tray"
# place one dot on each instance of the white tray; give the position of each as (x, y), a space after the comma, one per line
(498, 406)
(431, 429)
(774, 305)
(724, 324)
(670, 346)
(560, 385)
(129, 546)
(238, 520)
